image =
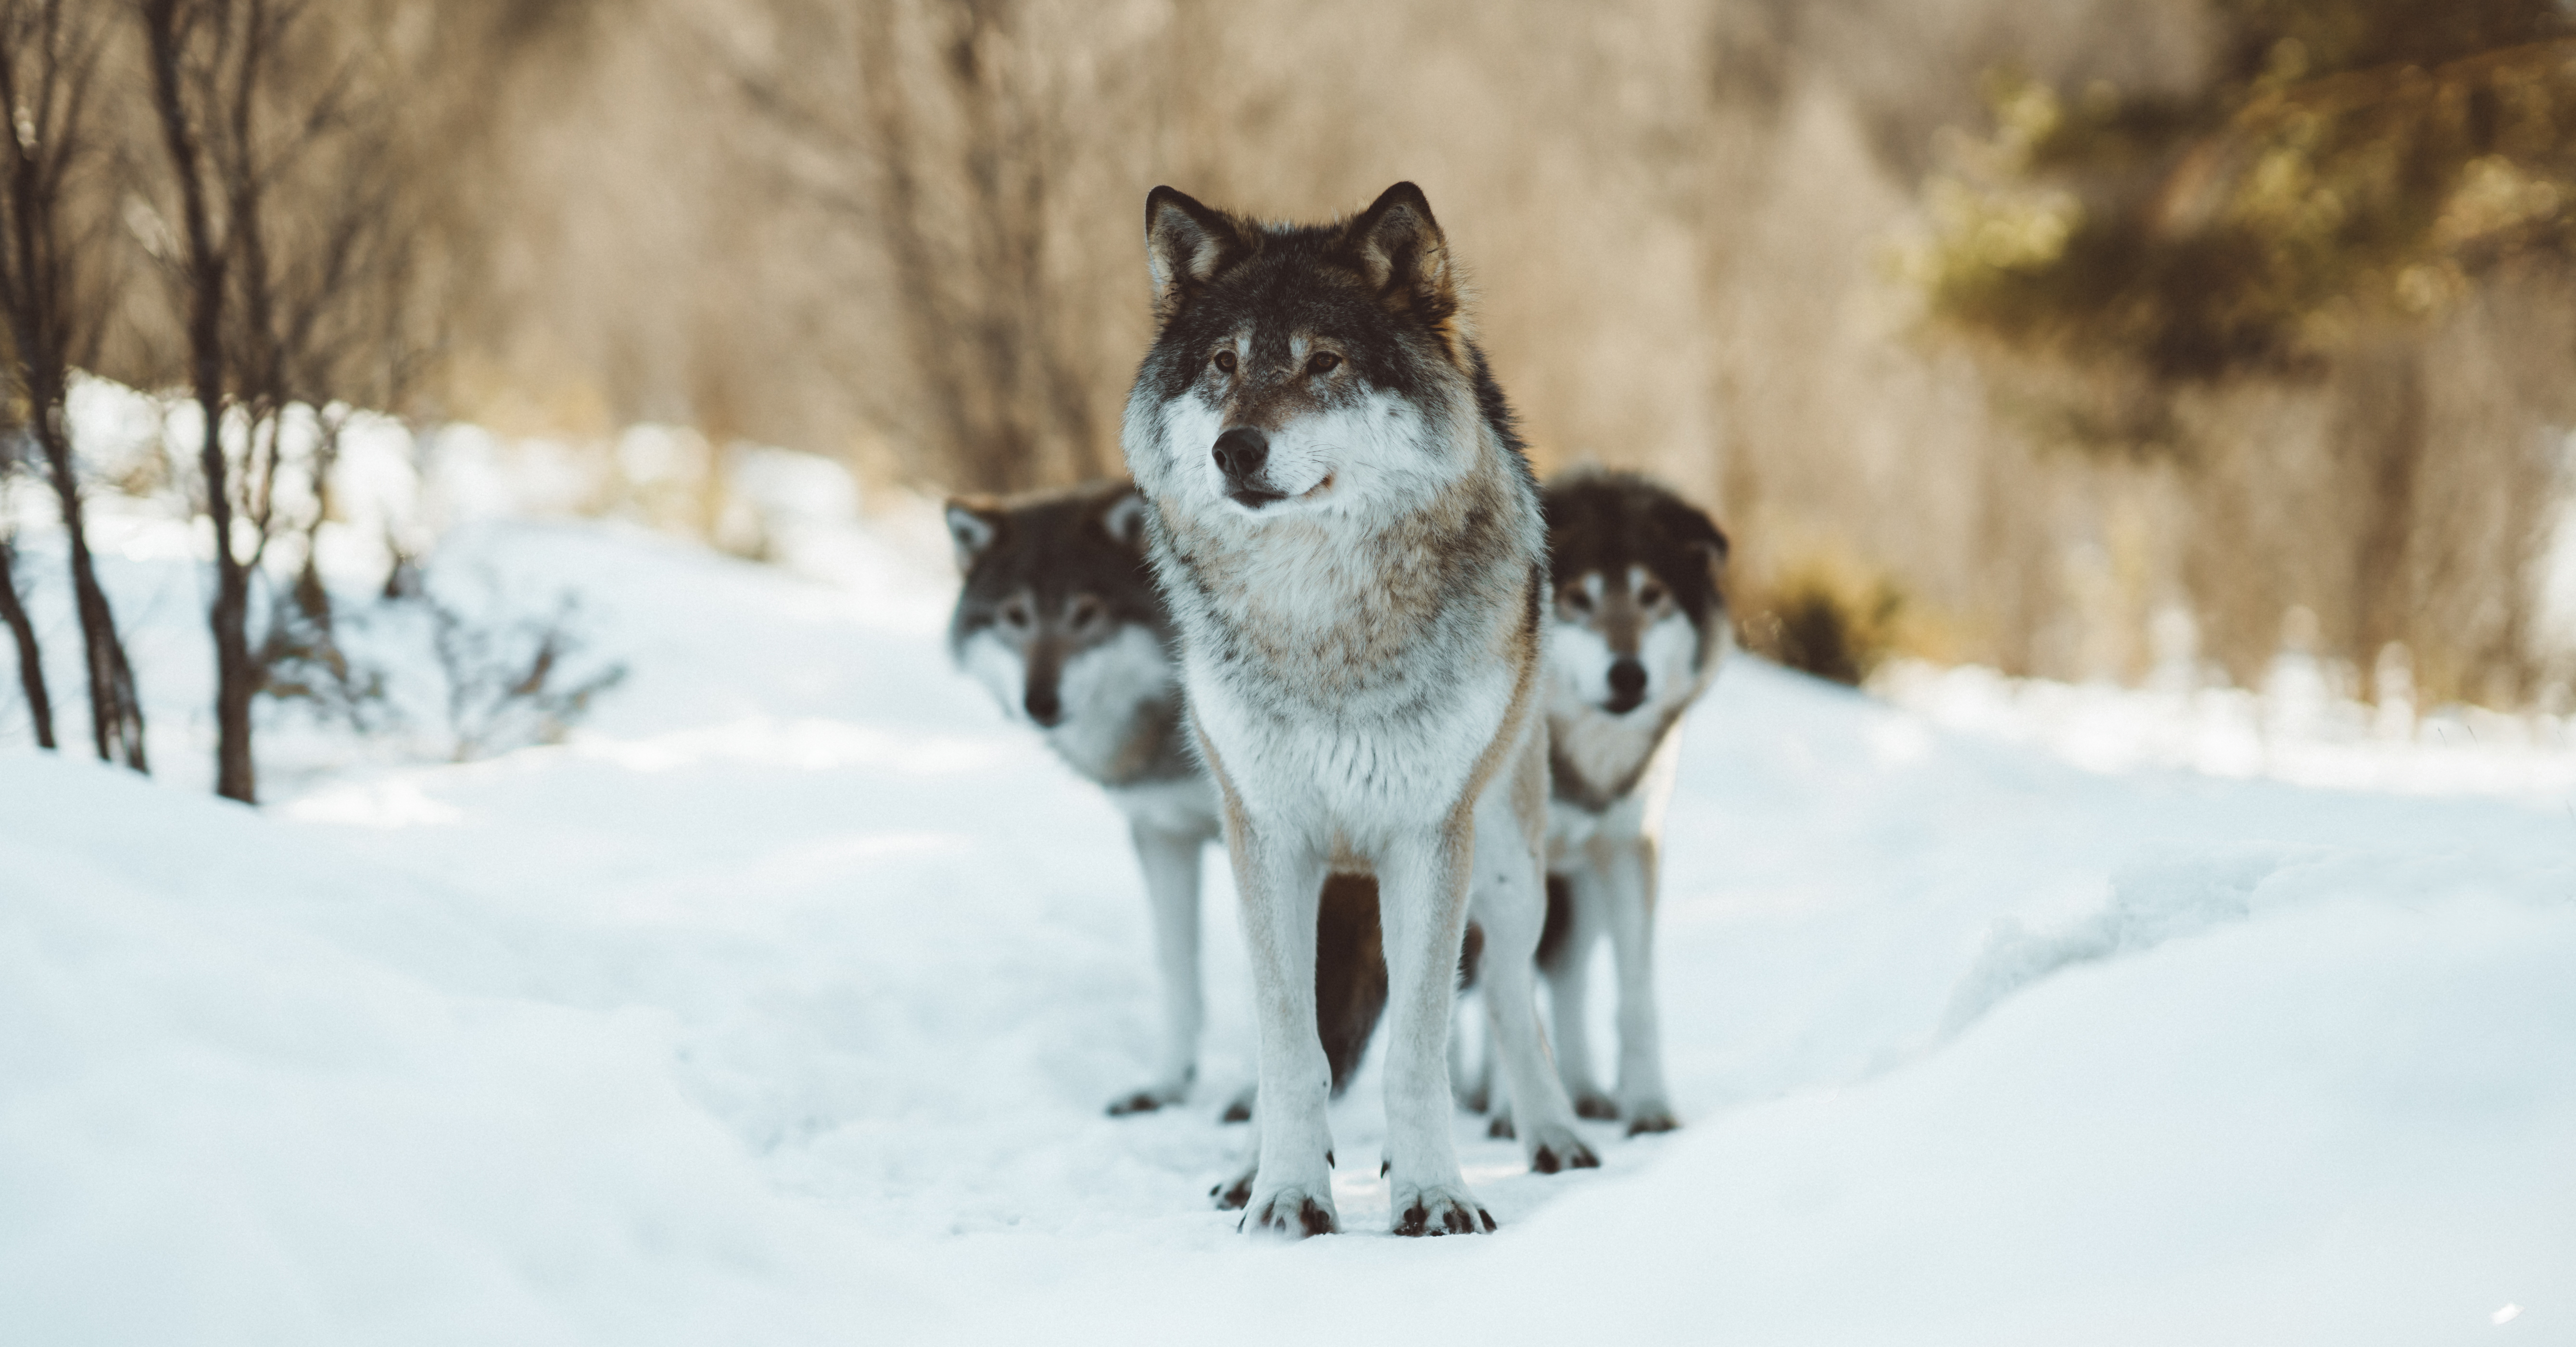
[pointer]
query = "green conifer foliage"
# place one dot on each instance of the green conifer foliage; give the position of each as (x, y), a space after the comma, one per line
(2348, 167)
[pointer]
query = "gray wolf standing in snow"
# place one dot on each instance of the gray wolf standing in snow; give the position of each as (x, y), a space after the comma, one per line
(1350, 540)
(1639, 625)
(1059, 619)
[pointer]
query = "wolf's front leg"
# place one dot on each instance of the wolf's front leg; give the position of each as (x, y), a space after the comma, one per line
(1280, 880)
(1511, 906)
(1626, 866)
(1422, 900)
(1170, 862)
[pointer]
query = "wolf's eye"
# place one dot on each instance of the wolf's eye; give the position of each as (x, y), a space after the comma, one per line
(1015, 615)
(1225, 361)
(1651, 594)
(1578, 600)
(1086, 610)
(1322, 362)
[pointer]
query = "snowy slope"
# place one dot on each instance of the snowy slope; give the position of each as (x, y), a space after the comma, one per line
(779, 1006)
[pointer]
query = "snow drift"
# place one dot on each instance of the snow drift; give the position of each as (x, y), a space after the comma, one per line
(777, 1006)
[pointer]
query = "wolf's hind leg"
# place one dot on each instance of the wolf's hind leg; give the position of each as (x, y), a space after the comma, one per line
(1170, 862)
(1280, 880)
(1422, 888)
(1565, 957)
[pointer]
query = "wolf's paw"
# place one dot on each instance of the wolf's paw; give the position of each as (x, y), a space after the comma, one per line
(1239, 1108)
(1440, 1211)
(1594, 1105)
(1147, 1100)
(1645, 1118)
(1232, 1194)
(1292, 1213)
(1475, 1099)
(1553, 1149)
(1500, 1129)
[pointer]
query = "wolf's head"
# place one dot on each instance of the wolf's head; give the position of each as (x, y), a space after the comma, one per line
(1638, 609)
(1058, 615)
(1306, 370)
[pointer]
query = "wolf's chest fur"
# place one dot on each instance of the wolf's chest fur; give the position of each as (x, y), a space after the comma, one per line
(1306, 618)
(1363, 672)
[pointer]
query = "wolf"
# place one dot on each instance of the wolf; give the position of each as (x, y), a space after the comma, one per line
(1348, 534)
(1058, 617)
(1638, 628)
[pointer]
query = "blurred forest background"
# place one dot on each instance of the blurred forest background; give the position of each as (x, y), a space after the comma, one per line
(2082, 338)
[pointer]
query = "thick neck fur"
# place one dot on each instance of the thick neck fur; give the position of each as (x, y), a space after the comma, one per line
(1353, 612)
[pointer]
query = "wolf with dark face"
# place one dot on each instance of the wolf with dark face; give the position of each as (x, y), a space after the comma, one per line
(1638, 627)
(1350, 540)
(1059, 619)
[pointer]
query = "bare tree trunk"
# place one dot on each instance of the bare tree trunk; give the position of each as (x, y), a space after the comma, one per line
(951, 158)
(167, 28)
(31, 662)
(48, 58)
(2384, 435)
(115, 710)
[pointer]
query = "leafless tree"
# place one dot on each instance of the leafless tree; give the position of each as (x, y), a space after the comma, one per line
(193, 46)
(13, 611)
(51, 294)
(279, 125)
(941, 132)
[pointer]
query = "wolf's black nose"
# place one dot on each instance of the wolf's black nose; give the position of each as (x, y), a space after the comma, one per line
(1627, 684)
(1240, 452)
(1044, 706)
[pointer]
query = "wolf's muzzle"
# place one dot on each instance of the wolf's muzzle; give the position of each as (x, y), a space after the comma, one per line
(1627, 686)
(1241, 454)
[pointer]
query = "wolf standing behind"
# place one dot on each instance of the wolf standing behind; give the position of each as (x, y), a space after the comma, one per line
(1350, 540)
(1639, 625)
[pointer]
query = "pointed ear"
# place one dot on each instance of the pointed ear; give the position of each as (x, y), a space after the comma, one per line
(1186, 245)
(1125, 520)
(1405, 256)
(1690, 526)
(972, 528)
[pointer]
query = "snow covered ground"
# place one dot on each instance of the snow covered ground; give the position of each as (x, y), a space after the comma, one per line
(779, 1006)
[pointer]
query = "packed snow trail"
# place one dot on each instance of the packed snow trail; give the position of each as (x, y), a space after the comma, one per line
(780, 1006)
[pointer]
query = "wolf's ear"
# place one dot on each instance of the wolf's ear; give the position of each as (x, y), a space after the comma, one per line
(973, 529)
(1405, 256)
(1186, 245)
(1125, 521)
(1690, 527)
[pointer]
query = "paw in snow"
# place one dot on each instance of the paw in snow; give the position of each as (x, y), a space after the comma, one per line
(1239, 1109)
(1475, 1099)
(1553, 1149)
(1651, 1117)
(1500, 1129)
(1292, 1213)
(1595, 1105)
(1232, 1195)
(1146, 1100)
(1440, 1211)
